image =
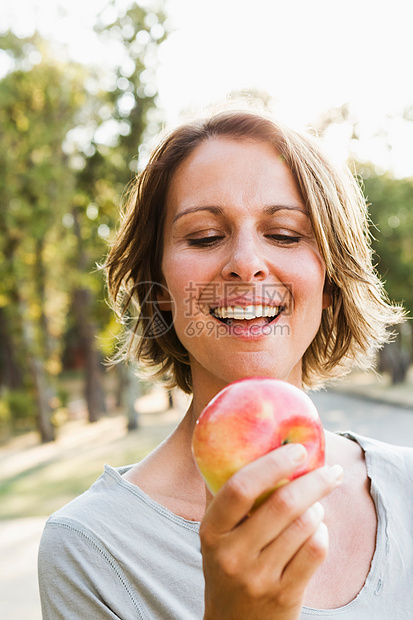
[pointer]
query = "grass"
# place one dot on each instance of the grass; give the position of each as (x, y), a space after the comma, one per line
(38, 479)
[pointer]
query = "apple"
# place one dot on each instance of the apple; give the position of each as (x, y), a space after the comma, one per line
(249, 418)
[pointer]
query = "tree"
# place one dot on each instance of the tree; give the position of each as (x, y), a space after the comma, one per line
(391, 210)
(121, 116)
(70, 137)
(37, 107)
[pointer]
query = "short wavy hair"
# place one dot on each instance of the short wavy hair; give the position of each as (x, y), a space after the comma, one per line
(352, 329)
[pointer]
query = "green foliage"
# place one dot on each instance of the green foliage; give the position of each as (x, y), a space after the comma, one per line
(5, 420)
(21, 405)
(17, 412)
(391, 211)
(70, 138)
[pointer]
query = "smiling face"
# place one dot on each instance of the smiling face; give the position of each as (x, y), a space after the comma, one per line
(242, 264)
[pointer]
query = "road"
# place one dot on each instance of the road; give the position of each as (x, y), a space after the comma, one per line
(341, 412)
(19, 542)
(19, 538)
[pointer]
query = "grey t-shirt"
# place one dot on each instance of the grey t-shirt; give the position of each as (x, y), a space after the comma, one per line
(115, 553)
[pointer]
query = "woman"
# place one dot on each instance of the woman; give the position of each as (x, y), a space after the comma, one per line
(247, 254)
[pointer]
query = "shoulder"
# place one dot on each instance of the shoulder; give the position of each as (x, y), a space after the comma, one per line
(383, 450)
(85, 548)
(87, 521)
(81, 565)
(114, 511)
(106, 493)
(104, 544)
(387, 464)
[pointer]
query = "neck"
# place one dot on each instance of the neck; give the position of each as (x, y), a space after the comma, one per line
(206, 386)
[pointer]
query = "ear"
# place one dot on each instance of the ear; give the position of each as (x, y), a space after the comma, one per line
(163, 298)
(327, 294)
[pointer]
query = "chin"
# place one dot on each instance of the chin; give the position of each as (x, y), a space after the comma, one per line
(252, 365)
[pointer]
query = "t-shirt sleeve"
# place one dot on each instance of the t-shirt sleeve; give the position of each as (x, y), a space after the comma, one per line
(79, 578)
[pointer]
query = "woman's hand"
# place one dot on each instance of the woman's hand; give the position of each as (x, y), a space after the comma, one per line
(257, 565)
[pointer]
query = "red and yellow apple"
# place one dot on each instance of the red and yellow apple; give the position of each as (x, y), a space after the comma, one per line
(248, 419)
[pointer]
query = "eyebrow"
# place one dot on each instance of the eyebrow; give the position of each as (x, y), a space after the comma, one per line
(274, 208)
(215, 210)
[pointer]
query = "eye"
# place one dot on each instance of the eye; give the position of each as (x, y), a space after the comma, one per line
(204, 241)
(284, 239)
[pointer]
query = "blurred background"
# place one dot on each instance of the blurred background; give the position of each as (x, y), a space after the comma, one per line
(85, 88)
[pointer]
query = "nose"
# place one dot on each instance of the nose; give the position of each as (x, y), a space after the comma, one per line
(245, 261)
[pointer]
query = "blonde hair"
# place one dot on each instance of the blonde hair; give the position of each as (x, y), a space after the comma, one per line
(352, 329)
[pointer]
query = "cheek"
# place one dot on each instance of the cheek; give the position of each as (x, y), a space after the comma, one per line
(308, 280)
(186, 276)
(181, 281)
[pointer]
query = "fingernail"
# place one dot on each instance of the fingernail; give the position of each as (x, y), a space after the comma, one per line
(296, 452)
(321, 536)
(337, 472)
(318, 510)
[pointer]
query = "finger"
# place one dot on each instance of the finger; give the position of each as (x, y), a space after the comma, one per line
(285, 507)
(276, 556)
(303, 565)
(236, 498)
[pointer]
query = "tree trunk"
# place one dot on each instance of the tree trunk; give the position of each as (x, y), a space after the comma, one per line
(33, 359)
(395, 360)
(128, 390)
(40, 278)
(10, 371)
(94, 391)
(133, 392)
(44, 424)
(42, 389)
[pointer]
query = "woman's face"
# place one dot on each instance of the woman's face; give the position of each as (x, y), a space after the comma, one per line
(241, 264)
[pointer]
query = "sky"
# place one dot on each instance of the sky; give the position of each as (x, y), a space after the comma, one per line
(308, 55)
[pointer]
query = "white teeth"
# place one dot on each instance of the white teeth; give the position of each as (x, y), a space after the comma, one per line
(248, 312)
(239, 312)
(270, 311)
